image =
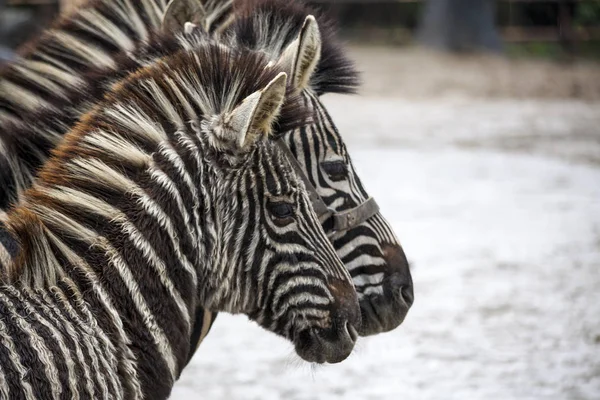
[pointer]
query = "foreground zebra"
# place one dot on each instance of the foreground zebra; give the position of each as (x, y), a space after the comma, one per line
(367, 246)
(166, 197)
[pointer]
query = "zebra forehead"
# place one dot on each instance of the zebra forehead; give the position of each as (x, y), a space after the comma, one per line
(279, 178)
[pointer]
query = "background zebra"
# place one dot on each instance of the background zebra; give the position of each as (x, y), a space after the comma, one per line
(367, 246)
(370, 249)
(93, 37)
(163, 172)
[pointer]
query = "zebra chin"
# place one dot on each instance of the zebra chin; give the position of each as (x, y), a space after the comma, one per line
(386, 310)
(334, 343)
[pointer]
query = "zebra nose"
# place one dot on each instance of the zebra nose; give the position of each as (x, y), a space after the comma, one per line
(345, 307)
(327, 345)
(398, 282)
(334, 343)
(402, 289)
(387, 309)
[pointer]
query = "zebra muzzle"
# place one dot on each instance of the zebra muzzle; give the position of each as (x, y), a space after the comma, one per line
(386, 310)
(334, 343)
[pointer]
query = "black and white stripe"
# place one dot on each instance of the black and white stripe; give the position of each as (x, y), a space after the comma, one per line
(54, 64)
(274, 25)
(99, 36)
(155, 204)
(89, 38)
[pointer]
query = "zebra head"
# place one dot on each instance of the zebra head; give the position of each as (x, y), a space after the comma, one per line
(270, 258)
(316, 64)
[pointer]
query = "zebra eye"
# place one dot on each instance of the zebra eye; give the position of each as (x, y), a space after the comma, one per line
(280, 210)
(336, 170)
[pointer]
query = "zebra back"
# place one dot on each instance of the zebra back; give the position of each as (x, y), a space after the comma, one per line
(95, 37)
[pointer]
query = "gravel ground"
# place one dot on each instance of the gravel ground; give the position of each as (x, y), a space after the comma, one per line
(497, 203)
(418, 74)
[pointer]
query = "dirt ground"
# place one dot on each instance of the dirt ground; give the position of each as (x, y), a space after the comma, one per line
(489, 172)
(420, 74)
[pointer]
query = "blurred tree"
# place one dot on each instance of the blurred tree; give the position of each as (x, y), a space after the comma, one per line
(459, 25)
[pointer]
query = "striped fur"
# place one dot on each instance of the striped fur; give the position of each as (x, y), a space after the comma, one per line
(371, 250)
(88, 38)
(8, 247)
(148, 209)
(53, 64)
(94, 37)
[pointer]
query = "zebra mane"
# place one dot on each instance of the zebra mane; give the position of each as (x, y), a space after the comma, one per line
(87, 36)
(147, 109)
(88, 22)
(271, 25)
(30, 141)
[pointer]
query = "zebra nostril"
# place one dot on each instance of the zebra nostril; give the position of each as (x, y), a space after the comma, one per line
(407, 295)
(352, 331)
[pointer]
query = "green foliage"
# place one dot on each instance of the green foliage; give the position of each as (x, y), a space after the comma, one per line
(535, 49)
(553, 51)
(588, 14)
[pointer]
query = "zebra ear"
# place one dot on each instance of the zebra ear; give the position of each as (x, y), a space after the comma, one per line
(179, 12)
(253, 117)
(302, 55)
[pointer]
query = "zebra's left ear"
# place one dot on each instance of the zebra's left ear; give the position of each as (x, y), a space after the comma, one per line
(252, 118)
(180, 12)
(303, 54)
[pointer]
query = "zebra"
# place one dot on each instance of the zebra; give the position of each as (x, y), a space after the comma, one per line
(169, 194)
(367, 245)
(363, 239)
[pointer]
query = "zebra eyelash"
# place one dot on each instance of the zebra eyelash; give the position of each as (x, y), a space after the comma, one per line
(281, 209)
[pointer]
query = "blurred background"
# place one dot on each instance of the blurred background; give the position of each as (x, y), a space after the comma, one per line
(477, 129)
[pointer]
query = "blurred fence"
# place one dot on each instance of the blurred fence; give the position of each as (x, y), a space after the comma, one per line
(567, 22)
(520, 21)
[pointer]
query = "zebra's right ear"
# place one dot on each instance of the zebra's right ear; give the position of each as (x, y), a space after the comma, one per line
(303, 54)
(180, 12)
(253, 117)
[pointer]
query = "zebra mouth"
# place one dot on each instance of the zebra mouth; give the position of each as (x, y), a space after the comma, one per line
(327, 345)
(380, 314)
(335, 342)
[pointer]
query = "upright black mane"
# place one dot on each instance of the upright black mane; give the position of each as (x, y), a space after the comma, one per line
(271, 25)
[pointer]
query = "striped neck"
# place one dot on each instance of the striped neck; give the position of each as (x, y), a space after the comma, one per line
(119, 215)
